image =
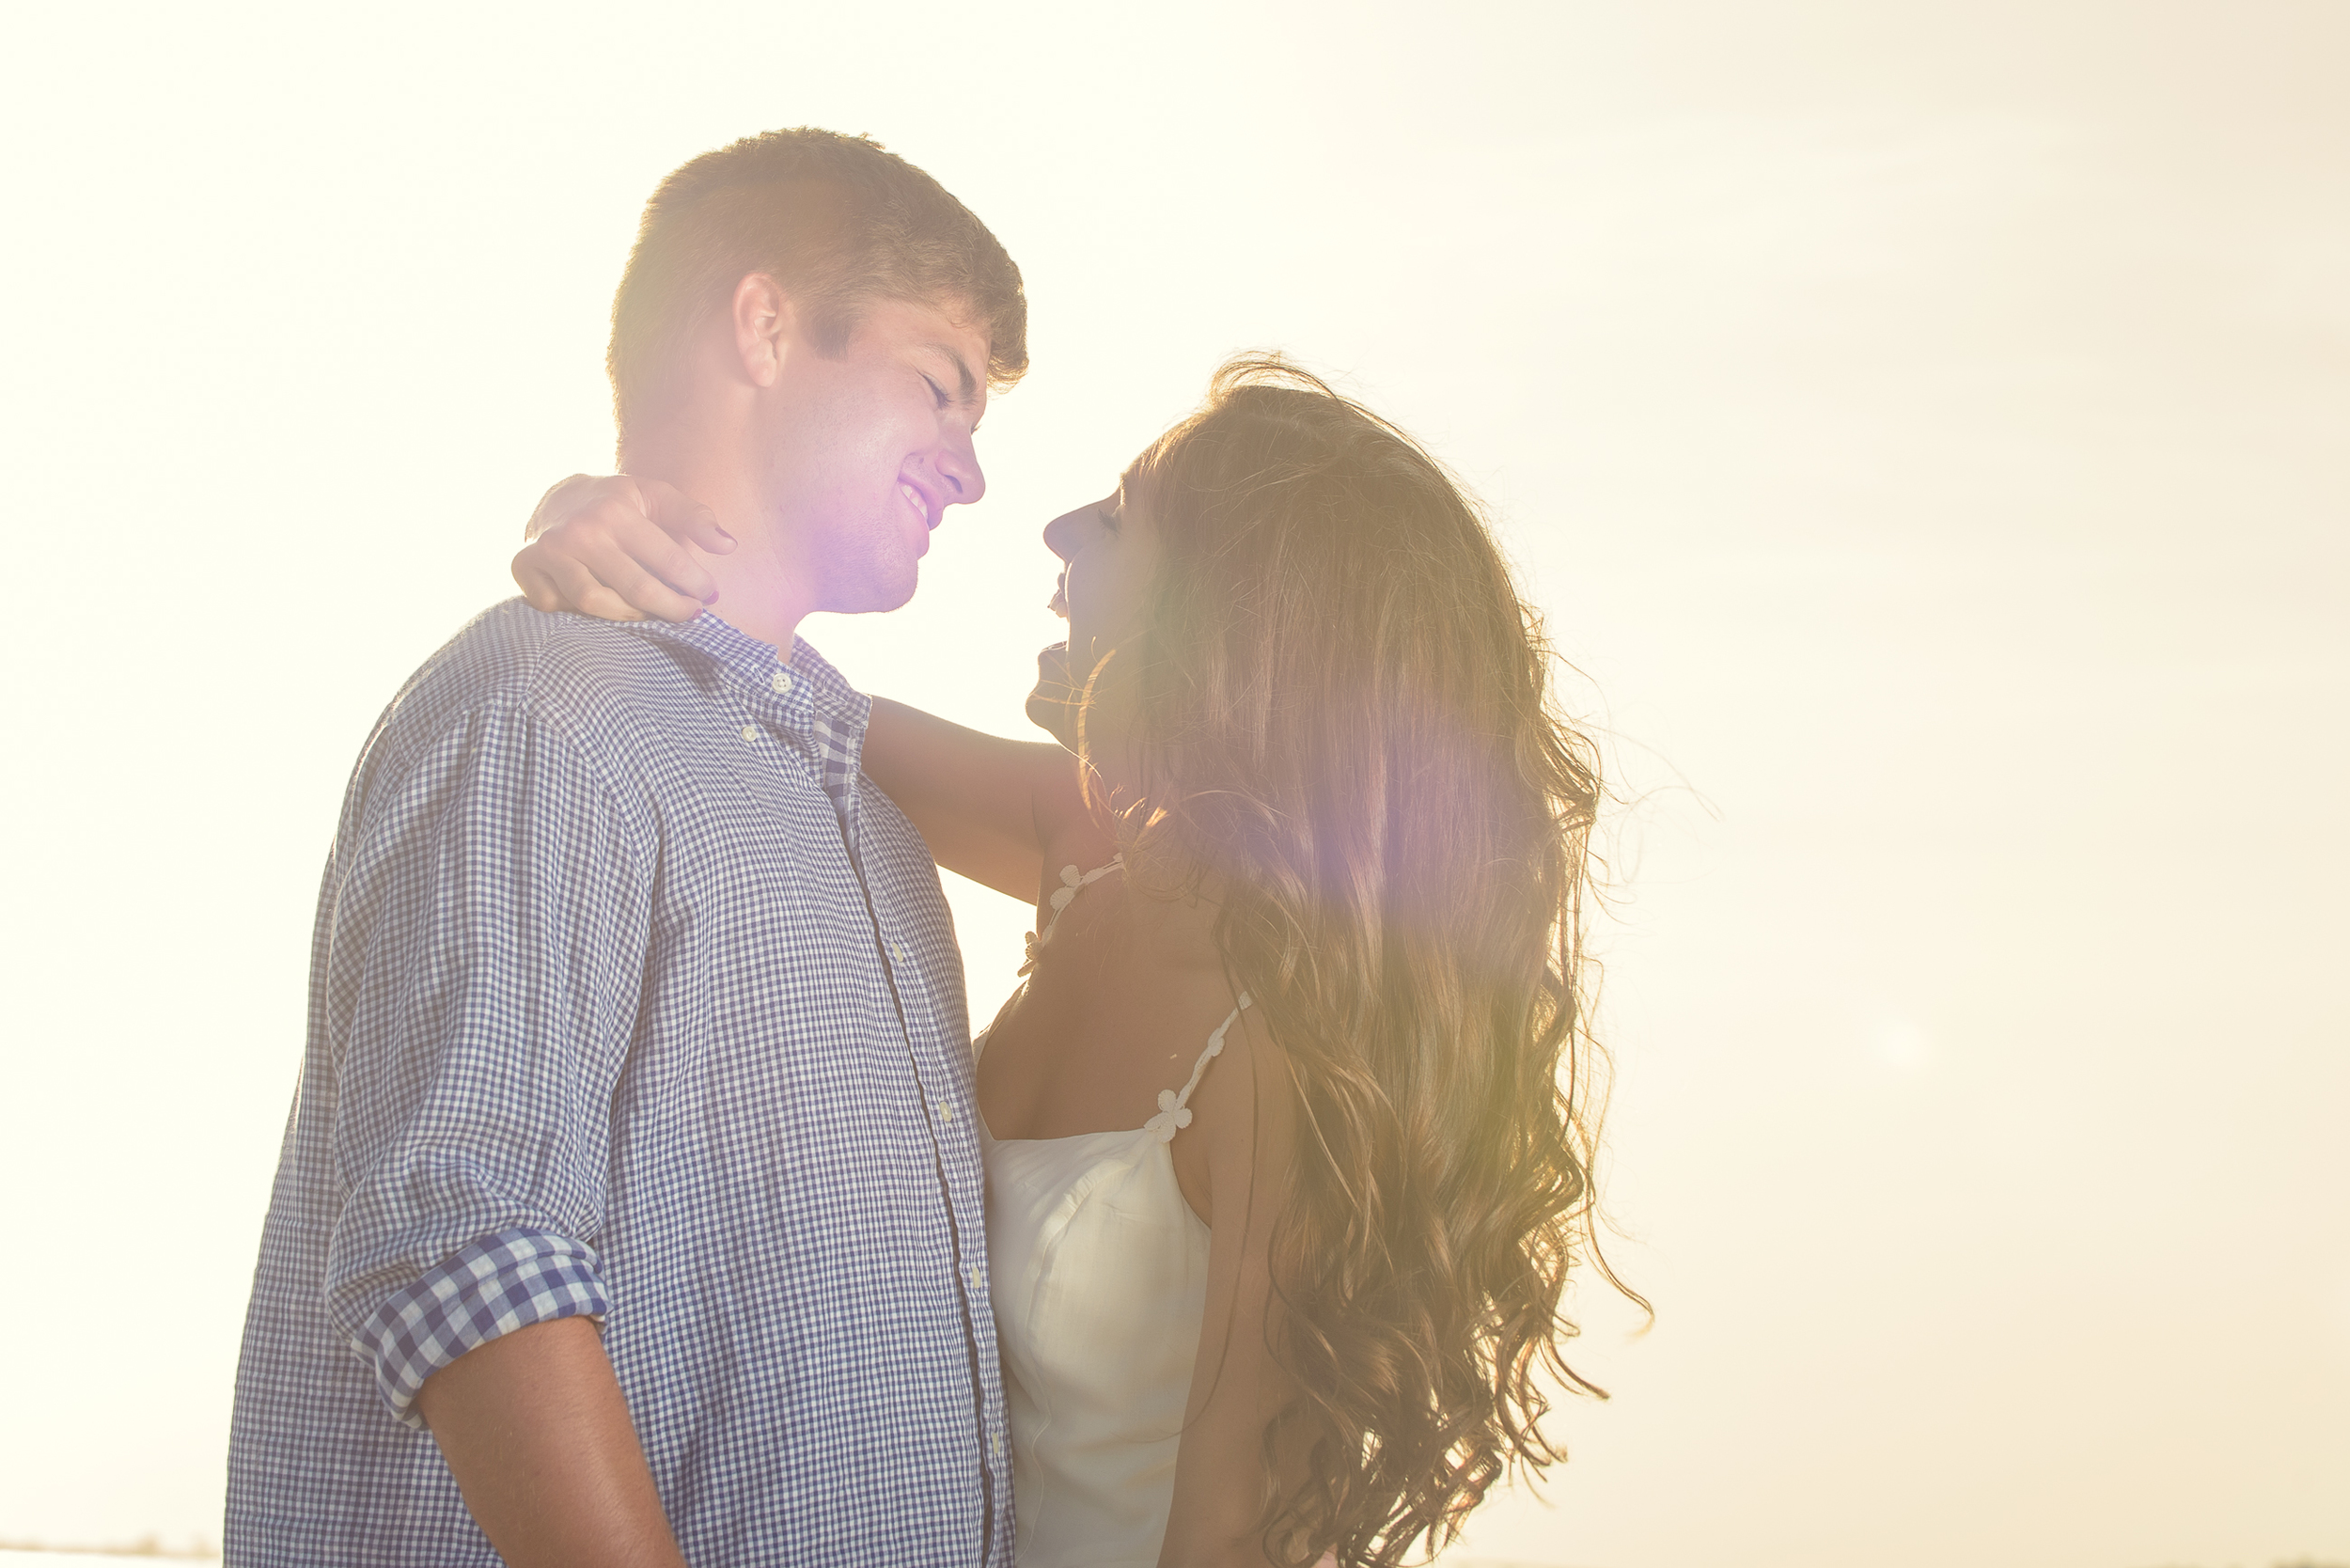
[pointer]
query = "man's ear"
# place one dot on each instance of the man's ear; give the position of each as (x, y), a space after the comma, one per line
(764, 328)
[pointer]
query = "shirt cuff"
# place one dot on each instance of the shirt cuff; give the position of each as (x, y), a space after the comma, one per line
(490, 1287)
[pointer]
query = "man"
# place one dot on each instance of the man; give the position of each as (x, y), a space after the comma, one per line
(630, 1209)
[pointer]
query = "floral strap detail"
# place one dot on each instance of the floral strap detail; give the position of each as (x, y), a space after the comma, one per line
(1174, 1108)
(1072, 881)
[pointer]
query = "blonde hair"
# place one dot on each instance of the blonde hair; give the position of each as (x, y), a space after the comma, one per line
(1346, 728)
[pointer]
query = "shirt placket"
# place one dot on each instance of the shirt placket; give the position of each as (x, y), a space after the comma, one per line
(835, 764)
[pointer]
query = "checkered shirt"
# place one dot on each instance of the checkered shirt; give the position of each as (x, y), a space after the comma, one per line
(631, 998)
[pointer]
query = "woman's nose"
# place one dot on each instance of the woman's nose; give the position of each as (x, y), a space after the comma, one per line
(1060, 534)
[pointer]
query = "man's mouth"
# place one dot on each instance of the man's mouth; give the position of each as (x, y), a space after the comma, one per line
(920, 502)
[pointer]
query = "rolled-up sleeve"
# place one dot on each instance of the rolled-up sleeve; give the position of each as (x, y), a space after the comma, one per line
(484, 960)
(492, 1287)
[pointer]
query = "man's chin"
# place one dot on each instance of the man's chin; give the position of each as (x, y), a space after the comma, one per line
(879, 593)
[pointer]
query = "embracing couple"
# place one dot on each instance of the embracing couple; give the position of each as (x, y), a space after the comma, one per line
(645, 1198)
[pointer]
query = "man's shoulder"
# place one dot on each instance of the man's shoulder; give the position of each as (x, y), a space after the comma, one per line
(599, 683)
(565, 667)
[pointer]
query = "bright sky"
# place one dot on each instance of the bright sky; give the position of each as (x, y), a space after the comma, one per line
(1924, 424)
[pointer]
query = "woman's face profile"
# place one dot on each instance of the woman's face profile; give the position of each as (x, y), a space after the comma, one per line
(1109, 551)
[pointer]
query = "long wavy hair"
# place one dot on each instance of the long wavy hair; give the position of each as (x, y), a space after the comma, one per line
(1346, 730)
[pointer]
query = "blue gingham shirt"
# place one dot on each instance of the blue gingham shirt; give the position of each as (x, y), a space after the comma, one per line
(631, 998)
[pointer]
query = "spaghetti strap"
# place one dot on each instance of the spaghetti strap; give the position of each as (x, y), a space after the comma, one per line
(1174, 1104)
(1175, 1108)
(1073, 882)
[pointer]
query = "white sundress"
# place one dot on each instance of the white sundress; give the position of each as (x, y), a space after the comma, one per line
(1099, 1272)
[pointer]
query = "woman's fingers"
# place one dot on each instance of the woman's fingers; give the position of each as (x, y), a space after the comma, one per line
(603, 546)
(616, 567)
(684, 518)
(604, 604)
(654, 552)
(557, 582)
(536, 585)
(564, 497)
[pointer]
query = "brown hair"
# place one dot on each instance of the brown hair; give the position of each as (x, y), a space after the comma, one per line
(1345, 729)
(837, 220)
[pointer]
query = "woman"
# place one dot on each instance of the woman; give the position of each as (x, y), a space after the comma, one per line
(1288, 1130)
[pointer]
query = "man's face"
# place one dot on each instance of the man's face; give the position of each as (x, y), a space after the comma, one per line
(860, 455)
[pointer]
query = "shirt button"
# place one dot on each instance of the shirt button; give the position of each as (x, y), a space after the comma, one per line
(946, 1113)
(750, 731)
(996, 1445)
(896, 952)
(781, 680)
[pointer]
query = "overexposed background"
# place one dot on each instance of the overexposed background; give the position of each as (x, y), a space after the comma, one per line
(1922, 423)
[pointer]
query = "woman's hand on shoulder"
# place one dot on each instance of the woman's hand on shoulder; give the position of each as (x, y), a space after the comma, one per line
(620, 549)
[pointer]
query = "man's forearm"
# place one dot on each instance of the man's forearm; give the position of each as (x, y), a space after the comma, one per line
(537, 1432)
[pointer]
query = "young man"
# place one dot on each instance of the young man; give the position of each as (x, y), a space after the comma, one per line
(630, 1208)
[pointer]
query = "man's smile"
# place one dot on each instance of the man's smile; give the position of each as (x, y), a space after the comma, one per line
(921, 501)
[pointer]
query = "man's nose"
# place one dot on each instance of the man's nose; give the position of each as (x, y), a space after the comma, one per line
(959, 466)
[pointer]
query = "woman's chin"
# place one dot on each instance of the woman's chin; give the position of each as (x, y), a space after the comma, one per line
(1052, 704)
(1052, 714)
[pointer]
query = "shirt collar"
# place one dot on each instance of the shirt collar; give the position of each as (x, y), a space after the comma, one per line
(819, 692)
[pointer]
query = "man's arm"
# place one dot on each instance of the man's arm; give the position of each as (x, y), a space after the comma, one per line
(490, 928)
(536, 1430)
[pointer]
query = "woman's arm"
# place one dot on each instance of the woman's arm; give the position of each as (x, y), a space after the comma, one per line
(985, 806)
(617, 547)
(1245, 1112)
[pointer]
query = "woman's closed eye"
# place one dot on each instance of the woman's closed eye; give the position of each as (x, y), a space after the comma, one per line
(938, 393)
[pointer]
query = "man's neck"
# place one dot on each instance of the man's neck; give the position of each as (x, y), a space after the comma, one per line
(758, 592)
